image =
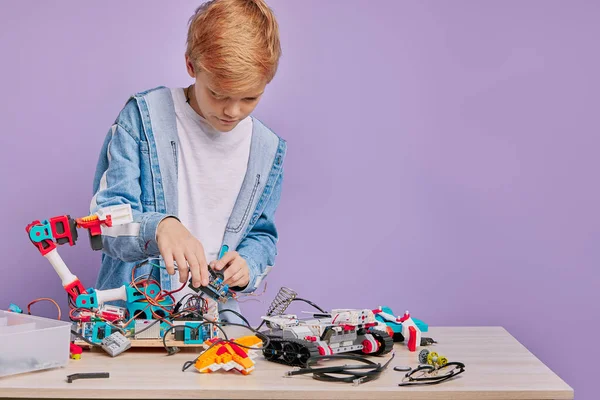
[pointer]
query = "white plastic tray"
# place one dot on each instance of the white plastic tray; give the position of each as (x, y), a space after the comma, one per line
(29, 343)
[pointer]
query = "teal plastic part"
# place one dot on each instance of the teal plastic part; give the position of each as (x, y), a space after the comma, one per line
(423, 327)
(134, 294)
(224, 249)
(396, 326)
(89, 300)
(41, 232)
(99, 328)
(15, 308)
(198, 334)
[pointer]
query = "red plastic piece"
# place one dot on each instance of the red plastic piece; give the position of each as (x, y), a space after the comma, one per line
(238, 350)
(74, 289)
(405, 317)
(222, 350)
(109, 316)
(377, 311)
(348, 327)
(64, 220)
(93, 224)
(367, 346)
(412, 341)
(370, 324)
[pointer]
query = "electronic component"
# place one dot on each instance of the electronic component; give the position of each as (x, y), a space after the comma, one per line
(215, 289)
(147, 329)
(115, 344)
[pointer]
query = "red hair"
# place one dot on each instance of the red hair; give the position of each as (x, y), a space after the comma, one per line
(236, 42)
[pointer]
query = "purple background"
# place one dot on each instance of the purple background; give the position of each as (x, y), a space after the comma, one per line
(442, 155)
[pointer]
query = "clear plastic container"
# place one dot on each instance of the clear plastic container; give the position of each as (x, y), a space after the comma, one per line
(29, 343)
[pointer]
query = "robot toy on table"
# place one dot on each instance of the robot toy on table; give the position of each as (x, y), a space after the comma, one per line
(151, 317)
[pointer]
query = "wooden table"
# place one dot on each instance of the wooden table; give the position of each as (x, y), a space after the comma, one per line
(497, 367)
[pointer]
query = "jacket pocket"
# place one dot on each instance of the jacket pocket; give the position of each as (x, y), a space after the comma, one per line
(174, 149)
(146, 179)
(238, 227)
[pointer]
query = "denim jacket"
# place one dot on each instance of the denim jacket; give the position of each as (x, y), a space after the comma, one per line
(138, 166)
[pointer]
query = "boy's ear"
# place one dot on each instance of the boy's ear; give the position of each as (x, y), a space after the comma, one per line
(190, 66)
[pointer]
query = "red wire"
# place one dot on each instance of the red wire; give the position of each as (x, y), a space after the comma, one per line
(44, 299)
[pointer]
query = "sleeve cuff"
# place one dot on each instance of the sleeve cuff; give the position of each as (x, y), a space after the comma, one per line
(149, 225)
(253, 272)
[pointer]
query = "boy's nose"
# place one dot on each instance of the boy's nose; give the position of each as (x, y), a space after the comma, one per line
(232, 110)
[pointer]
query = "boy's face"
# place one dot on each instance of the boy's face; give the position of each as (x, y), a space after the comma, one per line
(221, 110)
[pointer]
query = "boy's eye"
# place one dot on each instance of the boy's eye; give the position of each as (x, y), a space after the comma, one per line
(216, 96)
(251, 98)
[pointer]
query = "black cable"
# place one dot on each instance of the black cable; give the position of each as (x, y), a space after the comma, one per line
(311, 303)
(357, 373)
(80, 336)
(299, 299)
(458, 369)
(238, 314)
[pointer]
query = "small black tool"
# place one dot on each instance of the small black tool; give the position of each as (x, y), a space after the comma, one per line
(89, 375)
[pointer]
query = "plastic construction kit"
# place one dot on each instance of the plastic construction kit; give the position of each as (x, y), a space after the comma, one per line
(147, 315)
(403, 328)
(294, 341)
(141, 313)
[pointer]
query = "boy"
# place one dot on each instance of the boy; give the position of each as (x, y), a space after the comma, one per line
(200, 173)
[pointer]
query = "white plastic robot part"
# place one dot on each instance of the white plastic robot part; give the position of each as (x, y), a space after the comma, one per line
(120, 214)
(111, 295)
(65, 275)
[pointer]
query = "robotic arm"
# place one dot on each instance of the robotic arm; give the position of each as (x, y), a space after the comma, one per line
(46, 235)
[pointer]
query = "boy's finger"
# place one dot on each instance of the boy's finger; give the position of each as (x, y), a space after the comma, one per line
(225, 260)
(203, 268)
(194, 269)
(236, 279)
(168, 257)
(230, 272)
(182, 267)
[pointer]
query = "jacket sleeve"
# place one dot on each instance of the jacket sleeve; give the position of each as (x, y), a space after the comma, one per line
(259, 247)
(117, 181)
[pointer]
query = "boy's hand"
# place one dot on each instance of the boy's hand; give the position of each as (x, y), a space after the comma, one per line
(236, 269)
(176, 243)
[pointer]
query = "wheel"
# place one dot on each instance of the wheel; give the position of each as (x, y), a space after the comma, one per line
(272, 350)
(303, 355)
(423, 356)
(385, 342)
(370, 345)
(289, 353)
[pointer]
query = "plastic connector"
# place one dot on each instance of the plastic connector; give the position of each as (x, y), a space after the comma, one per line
(15, 308)
(115, 344)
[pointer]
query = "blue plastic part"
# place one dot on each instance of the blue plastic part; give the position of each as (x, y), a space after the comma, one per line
(41, 232)
(89, 300)
(15, 308)
(224, 249)
(200, 334)
(99, 327)
(164, 326)
(134, 294)
(396, 326)
(423, 327)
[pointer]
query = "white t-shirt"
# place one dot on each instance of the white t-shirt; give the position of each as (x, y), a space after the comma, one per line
(211, 168)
